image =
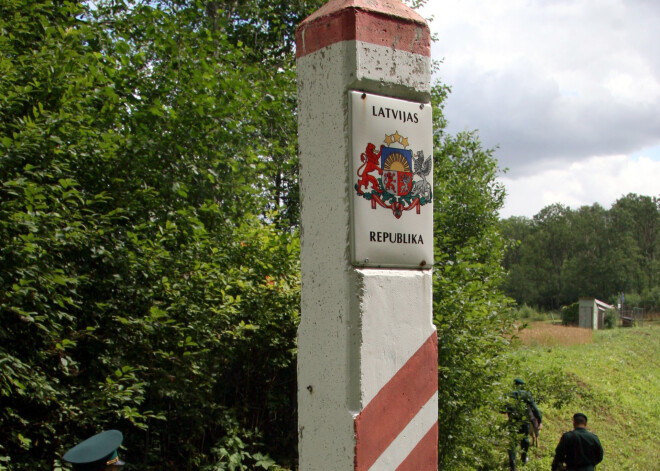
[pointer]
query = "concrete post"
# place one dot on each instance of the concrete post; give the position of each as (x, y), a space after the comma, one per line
(367, 347)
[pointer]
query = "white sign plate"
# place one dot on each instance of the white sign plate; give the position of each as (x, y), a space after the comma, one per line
(391, 182)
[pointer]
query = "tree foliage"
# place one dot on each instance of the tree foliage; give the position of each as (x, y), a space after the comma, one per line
(148, 238)
(137, 257)
(563, 254)
(470, 312)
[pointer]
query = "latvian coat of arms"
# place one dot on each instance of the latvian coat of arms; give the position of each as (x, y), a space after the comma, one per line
(393, 178)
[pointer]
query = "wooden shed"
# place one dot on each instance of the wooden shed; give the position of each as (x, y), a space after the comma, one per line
(592, 313)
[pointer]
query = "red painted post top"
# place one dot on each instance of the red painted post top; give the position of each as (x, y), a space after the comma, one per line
(387, 23)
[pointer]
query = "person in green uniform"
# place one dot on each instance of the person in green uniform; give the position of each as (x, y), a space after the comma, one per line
(522, 411)
(97, 453)
(579, 449)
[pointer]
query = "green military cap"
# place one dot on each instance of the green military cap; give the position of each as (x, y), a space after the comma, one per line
(518, 381)
(97, 452)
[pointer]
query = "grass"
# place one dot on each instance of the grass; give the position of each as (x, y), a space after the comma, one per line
(551, 335)
(614, 378)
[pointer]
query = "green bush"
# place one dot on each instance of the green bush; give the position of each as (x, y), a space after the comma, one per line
(570, 315)
(651, 299)
(551, 386)
(632, 300)
(142, 287)
(610, 318)
(529, 313)
(526, 312)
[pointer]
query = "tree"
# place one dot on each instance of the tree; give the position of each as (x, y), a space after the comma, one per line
(597, 263)
(636, 220)
(148, 238)
(540, 259)
(136, 254)
(56, 98)
(549, 250)
(470, 311)
(518, 283)
(564, 254)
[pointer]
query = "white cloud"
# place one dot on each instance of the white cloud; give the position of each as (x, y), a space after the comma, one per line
(601, 179)
(552, 84)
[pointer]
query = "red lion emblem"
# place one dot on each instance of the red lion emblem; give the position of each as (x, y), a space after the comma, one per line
(369, 164)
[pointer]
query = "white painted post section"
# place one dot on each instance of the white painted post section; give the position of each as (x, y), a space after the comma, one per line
(367, 347)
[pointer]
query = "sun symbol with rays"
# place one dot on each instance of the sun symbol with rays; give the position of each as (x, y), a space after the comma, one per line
(396, 162)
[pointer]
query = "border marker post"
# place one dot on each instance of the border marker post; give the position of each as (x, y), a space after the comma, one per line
(367, 347)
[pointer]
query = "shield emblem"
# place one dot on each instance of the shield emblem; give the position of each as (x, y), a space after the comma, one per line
(397, 170)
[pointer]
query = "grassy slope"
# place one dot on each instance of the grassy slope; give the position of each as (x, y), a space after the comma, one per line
(619, 375)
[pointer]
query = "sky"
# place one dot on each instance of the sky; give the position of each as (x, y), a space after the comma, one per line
(567, 91)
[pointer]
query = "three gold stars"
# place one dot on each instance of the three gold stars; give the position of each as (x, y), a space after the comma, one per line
(396, 137)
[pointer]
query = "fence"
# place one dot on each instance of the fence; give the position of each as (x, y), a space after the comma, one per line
(631, 317)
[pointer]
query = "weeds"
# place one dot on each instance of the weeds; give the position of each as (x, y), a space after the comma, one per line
(542, 334)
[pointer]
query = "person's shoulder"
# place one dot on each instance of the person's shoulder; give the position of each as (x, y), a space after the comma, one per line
(586, 433)
(592, 434)
(527, 397)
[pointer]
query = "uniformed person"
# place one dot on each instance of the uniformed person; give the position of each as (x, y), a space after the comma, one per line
(97, 453)
(521, 409)
(579, 449)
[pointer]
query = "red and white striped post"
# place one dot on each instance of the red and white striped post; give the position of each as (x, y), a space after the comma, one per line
(367, 347)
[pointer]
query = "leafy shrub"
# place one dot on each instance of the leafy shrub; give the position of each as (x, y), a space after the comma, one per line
(526, 312)
(610, 318)
(142, 287)
(471, 314)
(632, 300)
(570, 315)
(233, 452)
(552, 386)
(651, 299)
